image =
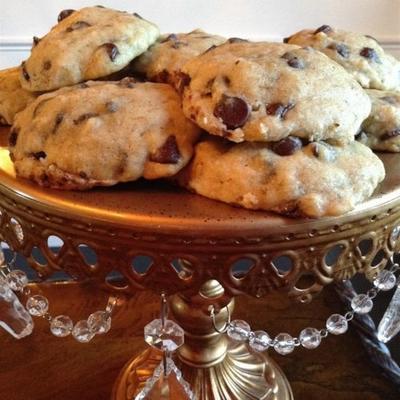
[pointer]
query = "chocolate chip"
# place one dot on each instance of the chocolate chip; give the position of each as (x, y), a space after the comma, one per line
(83, 174)
(287, 146)
(36, 41)
(162, 76)
(171, 37)
(38, 155)
(278, 109)
(324, 29)
(12, 139)
(85, 117)
(233, 111)
(178, 44)
(128, 82)
(47, 65)
(296, 63)
(138, 16)
(78, 25)
(83, 85)
(59, 119)
(64, 14)
(341, 49)
(25, 72)
(390, 134)
(370, 54)
(286, 39)
(293, 61)
(168, 153)
(112, 50)
(236, 40)
(183, 80)
(99, 6)
(112, 106)
(389, 99)
(226, 80)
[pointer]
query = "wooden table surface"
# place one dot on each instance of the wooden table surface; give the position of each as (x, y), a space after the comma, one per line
(42, 367)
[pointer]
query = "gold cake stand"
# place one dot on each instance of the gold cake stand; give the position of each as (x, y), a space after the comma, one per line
(192, 247)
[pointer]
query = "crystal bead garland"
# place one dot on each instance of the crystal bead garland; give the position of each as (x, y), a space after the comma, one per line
(336, 324)
(167, 336)
(38, 306)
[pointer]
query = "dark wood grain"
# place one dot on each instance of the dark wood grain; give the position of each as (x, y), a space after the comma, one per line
(43, 367)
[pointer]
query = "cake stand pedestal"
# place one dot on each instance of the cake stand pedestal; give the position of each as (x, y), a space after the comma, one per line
(195, 250)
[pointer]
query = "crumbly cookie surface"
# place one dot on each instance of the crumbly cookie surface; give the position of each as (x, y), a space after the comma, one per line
(86, 44)
(267, 91)
(13, 98)
(361, 55)
(101, 133)
(381, 130)
(163, 61)
(314, 181)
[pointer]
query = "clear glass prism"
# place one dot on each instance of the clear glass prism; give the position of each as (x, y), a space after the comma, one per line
(166, 386)
(389, 326)
(14, 318)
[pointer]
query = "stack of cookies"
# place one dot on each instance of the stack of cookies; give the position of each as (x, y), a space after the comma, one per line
(265, 126)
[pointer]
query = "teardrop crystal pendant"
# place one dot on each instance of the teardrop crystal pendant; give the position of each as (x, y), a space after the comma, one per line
(389, 326)
(14, 317)
(168, 385)
(167, 382)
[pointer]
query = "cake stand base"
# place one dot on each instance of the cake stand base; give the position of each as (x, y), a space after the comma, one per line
(215, 368)
(240, 376)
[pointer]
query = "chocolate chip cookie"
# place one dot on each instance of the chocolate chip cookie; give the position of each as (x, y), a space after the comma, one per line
(361, 55)
(101, 133)
(314, 180)
(86, 44)
(267, 91)
(13, 98)
(381, 130)
(164, 60)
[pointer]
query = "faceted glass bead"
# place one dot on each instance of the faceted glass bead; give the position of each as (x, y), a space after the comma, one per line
(17, 280)
(361, 304)
(394, 236)
(37, 305)
(99, 322)
(170, 337)
(385, 280)
(284, 344)
(19, 233)
(82, 332)
(259, 341)
(239, 330)
(310, 338)
(61, 326)
(337, 324)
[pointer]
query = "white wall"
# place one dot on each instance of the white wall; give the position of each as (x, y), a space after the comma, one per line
(257, 19)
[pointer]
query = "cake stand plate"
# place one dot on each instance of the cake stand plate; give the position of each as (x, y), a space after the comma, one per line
(202, 253)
